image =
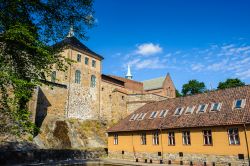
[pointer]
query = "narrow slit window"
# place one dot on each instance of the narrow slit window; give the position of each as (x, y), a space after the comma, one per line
(86, 60)
(93, 81)
(93, 63)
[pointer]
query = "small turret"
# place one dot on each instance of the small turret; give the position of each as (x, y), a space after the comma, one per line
(129, 75)
(71, 32)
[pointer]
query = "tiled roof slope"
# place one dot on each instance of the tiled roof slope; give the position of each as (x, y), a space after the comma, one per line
(155, 83)
(73, 41)
(226, 116)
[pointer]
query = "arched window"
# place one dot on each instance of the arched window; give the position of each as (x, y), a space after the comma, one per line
(77, 77)
(53, 76)
(78, 58)
(93, 81)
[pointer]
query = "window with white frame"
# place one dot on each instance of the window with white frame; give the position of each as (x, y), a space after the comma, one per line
(186, 138)
(207, 137)
(171, 139)
(141, 116)
(178, 111)
(239, 103)
(156, 138)
(132, 117)
(233, 136)
(143, 138)
(153, 115)
(202, 108)
(189, 110)
(115, 139)
(215, 107)
(163, 113)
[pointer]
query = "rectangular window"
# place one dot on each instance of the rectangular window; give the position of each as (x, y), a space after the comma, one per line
(163, 113)
(202, 108)
(156, 138)
(141, 116)
(78, 58)
(186, 138)
(215, 107)
(86, 60)
(207, 137)
(239, 103)
(189, 110)
(153, 115)
(115, 139)
(171, 139)
(233, 136)
(93, 63)
(178, 111)
(143, 138)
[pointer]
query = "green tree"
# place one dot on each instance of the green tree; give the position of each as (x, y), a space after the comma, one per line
(230, 83)
(177, 93)
(26, 28)
(193, 87)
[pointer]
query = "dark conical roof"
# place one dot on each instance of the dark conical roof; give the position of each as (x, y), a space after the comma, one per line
(73, 41)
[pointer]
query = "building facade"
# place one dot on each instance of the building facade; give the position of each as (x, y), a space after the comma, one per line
(83, 92)
(205, 129)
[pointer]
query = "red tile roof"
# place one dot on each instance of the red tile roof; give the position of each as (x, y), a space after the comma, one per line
(226, 116)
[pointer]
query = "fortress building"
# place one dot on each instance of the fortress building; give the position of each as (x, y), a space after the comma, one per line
(83, 92)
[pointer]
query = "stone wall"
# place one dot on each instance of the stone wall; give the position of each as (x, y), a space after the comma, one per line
(177, 158)
(47, 157)
(113, 103)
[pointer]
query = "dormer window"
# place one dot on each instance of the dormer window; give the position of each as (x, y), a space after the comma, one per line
(141, 116)
(215, 107)
(163, 113)
(239, 103)
(178, 111)
(133, 117)
(79, 57)
(202, 108)
(189, 110)
(153, 115)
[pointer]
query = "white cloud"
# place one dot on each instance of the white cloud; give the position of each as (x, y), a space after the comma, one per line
(153, 63)
(148, 49)
(197, 67)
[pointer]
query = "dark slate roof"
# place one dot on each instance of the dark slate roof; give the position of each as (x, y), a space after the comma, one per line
(73, 41)
(226, 116)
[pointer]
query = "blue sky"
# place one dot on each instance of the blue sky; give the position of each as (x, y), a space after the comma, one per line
(207, 40)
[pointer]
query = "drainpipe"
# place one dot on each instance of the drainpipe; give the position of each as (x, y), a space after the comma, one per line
(161, 144)
(133, 146)
(67, 113)
(245, 132)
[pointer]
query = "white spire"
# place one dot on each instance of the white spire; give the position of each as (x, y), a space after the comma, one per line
(71, 31)
(129, 75)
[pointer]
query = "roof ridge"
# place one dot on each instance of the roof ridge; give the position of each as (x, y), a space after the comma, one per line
(154, 78)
